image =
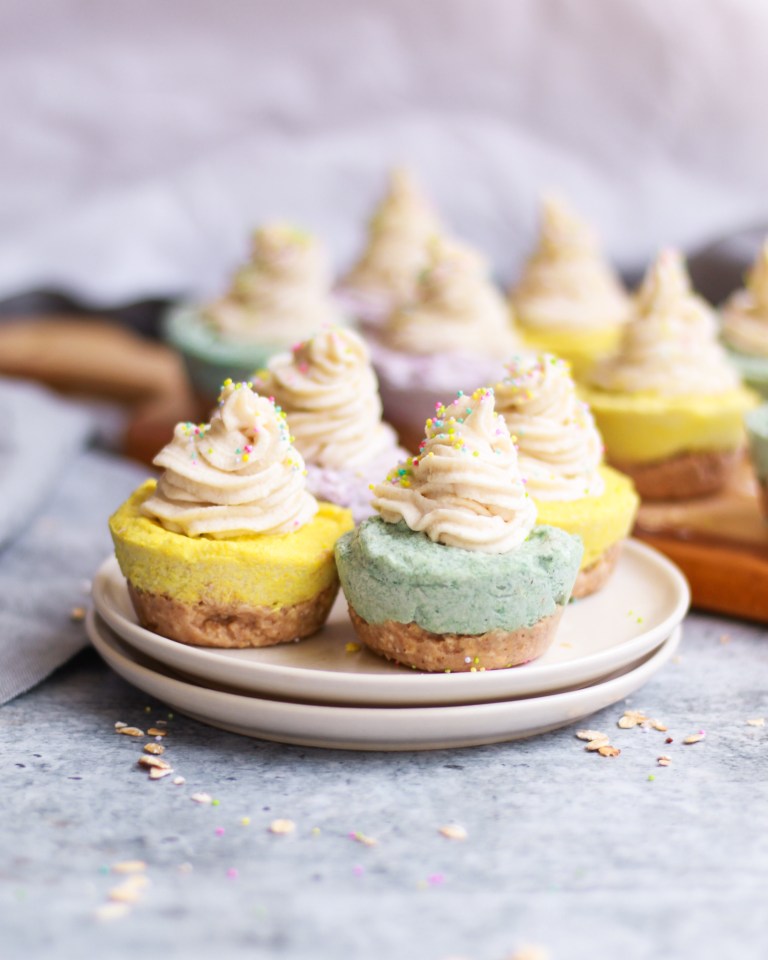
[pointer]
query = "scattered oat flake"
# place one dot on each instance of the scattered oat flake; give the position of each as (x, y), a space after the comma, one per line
(530, 952)
(352, 647)
(658, 725)
(157, 773)
(179, 780)
(129, 866)
(201, 797)
(694, 738)
(454, 831)
(596, 744)
(607, 751)
(362, 838)
(756, 722)
(155, 748)
(156, 732)
(112, 911)
(119, 725)
(153, 763)
(664, 760)
(130, 731)
(282, 826)
(125, 893)
(591, 735)
(77, 614)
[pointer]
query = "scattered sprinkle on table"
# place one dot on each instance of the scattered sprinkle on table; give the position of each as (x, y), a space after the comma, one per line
(130, 731)
(695, 737)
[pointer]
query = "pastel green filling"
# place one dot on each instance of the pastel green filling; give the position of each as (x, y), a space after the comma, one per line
(753, 370)
(757, 431)
(388, 572)
(208, 358)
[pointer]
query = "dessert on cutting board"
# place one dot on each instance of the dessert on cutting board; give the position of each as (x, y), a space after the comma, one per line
(670, 404)
(281, 295)
(569, 300)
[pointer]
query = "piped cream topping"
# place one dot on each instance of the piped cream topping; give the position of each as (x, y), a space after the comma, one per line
(559, 446)
(670, 347)
(397, 241)
(566, 283)
(282, 294)
(456, 307)
(464, 489)
(745, 313)
(237, 475)
(329, 391)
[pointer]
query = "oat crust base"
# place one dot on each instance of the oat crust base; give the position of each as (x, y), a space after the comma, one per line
(596, 575)
(230, 625)
(683, 477)
(411, 645)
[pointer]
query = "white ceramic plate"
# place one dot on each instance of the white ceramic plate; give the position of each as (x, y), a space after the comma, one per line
(373, 728)
(644, 601)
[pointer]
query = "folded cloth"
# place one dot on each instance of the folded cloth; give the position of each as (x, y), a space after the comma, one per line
(55, 497)
(41, 434)
(44, 574)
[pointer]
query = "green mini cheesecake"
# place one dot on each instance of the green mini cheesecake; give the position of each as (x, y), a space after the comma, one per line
(390, 573)
(209, 359)
(756, 422)
(753, 369)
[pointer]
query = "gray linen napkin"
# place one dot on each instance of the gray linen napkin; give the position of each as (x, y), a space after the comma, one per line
(40, 435)
(55, 498)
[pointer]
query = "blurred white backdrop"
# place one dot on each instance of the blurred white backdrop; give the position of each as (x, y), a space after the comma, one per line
(141, 141)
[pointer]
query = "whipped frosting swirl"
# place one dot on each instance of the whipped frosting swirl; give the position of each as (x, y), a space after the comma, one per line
(745, 313)
(566, 283)
(558, 445)
(670, 347)
(235, 476)
(330, 394)
(283, 294)
(397, 241)
(456, 308)
(464, 489)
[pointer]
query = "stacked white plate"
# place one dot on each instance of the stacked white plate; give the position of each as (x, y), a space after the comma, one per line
(328, 692)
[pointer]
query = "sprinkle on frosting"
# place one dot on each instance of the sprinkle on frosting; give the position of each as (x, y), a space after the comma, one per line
(397, 240)
(745, 313)
(464, 488)
(559, 446)
(456, 307)
(566, 283)
(670, 346)
(329, 391)
(237, 475)
(283, 293)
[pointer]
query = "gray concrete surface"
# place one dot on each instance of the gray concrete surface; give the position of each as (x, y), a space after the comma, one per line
(583, 856)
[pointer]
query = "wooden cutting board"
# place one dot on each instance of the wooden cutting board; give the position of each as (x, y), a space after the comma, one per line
(720, 543)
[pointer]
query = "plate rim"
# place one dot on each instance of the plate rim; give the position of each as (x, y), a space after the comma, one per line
(567, 700)
(354, 687)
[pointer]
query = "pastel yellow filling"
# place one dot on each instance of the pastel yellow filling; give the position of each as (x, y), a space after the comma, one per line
(643, 427)
(581, 348)
(599, 521)
(260, 570)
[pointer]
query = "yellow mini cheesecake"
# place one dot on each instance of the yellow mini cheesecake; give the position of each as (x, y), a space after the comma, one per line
(669, 404)
(569, 301)
(229, 550)
(560, 454)
(602, 522)
(581, 348)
